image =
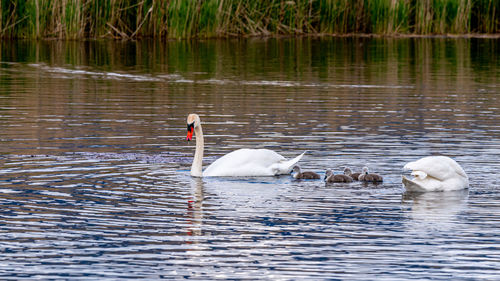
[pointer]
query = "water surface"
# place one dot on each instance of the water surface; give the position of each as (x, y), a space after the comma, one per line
(94, 166)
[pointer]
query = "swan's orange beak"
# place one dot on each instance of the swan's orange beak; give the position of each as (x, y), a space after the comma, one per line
(190, 128)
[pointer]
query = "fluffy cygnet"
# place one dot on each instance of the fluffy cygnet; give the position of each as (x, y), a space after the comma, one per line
(297, 174)
(367, 177)
(349, 173)
(330, 177)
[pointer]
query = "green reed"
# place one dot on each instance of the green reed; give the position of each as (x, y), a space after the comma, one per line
(74, 19)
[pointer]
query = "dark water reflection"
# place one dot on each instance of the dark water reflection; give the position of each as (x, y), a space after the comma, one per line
(94, 178)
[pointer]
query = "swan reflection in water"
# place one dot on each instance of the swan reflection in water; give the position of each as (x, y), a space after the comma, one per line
(225, 196)
(195, 208)
(435, 210)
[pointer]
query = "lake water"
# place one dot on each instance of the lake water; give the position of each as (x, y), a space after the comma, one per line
(94, 164)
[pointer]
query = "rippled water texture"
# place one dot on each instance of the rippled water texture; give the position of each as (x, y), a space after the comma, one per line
(94, 165)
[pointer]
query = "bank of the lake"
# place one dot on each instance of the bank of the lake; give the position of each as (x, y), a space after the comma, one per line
(128, 19)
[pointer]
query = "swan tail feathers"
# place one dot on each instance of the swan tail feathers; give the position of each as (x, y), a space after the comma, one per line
(286, 167)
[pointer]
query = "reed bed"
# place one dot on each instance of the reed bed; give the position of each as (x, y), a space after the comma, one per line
(126, 19)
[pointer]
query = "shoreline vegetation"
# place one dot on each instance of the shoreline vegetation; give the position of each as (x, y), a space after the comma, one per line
(179, 19)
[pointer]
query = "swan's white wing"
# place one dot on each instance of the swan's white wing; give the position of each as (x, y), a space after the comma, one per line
(455, 167)
(439, 167)
(247, 162)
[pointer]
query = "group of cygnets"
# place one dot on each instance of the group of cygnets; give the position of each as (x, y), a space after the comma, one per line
(330, 177)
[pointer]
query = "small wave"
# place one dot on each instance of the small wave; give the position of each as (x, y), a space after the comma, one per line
(66, 73)
(96, 74)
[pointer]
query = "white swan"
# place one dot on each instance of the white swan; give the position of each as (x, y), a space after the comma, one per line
(435, 173)
(239, 163)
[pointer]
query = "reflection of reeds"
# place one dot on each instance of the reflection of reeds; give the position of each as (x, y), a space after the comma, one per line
(443, 72)
(212, 18)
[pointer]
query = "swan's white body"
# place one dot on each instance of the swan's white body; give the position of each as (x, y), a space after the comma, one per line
(435, 173)
(239, 163)
(250, 162)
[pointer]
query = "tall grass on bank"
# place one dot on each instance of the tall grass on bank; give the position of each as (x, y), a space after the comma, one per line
(73, 19)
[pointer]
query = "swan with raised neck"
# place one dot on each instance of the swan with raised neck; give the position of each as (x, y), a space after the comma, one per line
(239, 163)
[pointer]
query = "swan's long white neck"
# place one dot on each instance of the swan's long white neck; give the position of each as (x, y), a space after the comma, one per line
(197, 167)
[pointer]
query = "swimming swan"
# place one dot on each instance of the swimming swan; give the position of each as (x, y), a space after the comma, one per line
(435, 173)
(239, 163)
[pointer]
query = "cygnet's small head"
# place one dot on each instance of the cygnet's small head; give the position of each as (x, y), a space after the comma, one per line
(347, 171)
(328, 173)
(193, 120)
(296, 171)
(365, 170)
